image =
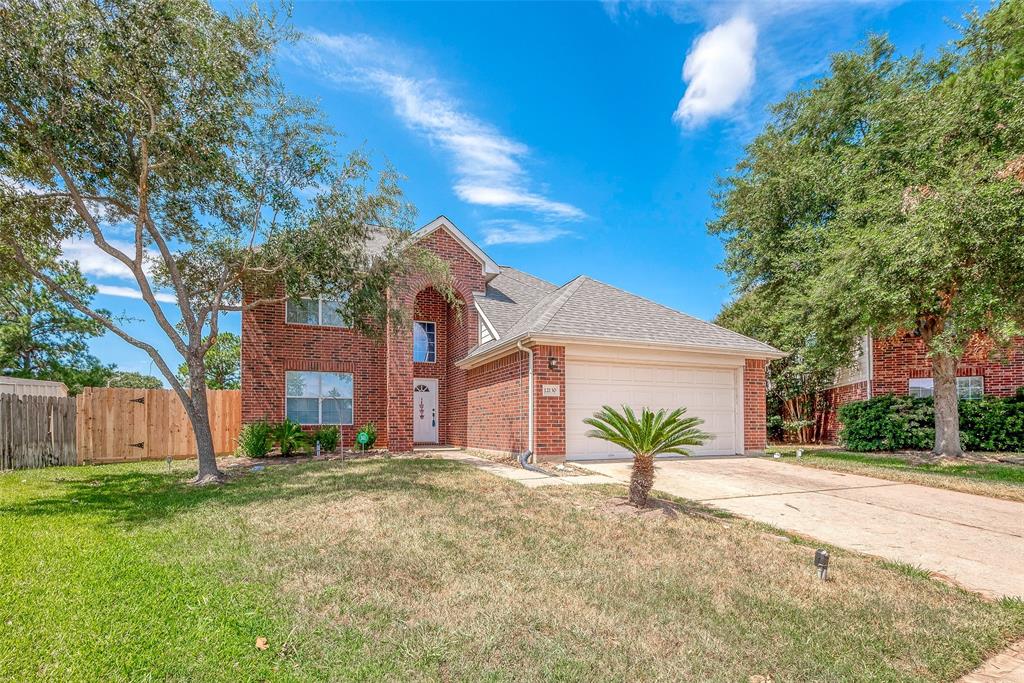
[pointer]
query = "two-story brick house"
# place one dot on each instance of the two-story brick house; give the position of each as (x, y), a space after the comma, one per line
(515, 366)
(900, 365)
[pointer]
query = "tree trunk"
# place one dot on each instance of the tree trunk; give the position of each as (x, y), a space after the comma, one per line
(199, 415)
(947, 410)
(642, 479)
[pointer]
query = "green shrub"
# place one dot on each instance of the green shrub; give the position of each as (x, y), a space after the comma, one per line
(256, 439)
(774, 426)
(889, 423)
(289, 437)
(328, 438)
(370, 430)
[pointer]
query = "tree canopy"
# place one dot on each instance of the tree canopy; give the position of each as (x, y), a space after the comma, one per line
(163, 125)
(889, 197)
(223, 363)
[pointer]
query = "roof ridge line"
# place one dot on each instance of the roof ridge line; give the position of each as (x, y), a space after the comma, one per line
(561, 300)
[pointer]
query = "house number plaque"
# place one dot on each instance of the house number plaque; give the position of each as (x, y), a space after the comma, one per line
(550, 390)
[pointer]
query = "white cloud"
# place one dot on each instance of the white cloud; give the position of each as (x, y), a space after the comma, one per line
(487, 165)
(133, 293)
(515, 232)
(719, 71)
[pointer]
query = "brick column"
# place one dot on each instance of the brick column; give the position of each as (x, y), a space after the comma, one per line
(399, 373)
(755, 438)
(548, 411)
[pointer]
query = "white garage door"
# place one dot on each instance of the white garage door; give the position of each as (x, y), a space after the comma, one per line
(708, 393)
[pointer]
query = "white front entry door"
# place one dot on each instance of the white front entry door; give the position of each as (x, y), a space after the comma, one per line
(424, 411)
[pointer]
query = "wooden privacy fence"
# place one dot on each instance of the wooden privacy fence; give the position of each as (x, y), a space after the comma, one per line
(120, 425)
(36, 431)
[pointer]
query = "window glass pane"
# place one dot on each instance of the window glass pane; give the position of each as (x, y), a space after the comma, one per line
(423, 342)
(336, 384)
(970, 388)
(329, 309)
(302, 384)
(303, 311)
(921, 387)
(337, 411)
(303, 410)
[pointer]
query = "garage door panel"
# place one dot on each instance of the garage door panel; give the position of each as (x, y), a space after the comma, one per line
(707, 393)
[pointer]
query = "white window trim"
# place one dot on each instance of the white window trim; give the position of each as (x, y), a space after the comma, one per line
(319, 314)
(434, 324)
(319, 402)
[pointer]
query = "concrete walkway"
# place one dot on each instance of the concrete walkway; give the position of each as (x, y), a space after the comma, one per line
(974, 540)
(527, 478)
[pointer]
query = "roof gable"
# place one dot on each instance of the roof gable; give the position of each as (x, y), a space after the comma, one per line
(490, 268)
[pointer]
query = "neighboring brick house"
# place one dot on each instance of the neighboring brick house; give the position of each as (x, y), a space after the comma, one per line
(900, 365)
(463, 375)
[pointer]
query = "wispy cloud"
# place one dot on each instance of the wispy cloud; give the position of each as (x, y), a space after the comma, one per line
(133, 293)
(516, 232)
(719, 71)
(96, 263)
(488, 166)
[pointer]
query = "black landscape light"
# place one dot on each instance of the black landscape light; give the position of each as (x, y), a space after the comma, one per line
(821, 562)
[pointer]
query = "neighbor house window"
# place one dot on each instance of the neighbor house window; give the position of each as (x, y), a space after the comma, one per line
(970, 388)
(921, 387)
(319, 311)
(967, 388)
(315, 398)
(424, 342)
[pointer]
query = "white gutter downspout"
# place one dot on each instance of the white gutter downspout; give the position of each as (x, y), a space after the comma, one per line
(871, 362)
(529, 401)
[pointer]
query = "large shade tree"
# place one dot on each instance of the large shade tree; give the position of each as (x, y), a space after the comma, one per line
(159, 132)
(889, 197)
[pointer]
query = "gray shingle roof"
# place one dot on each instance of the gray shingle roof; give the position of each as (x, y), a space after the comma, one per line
(591, 309)
(510, 295)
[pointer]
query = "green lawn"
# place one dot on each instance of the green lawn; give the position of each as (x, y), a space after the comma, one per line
(429, 570)
(994, 479)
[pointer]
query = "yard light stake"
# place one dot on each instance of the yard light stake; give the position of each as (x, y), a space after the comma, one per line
(799, 453)
(821, 562)
(169, 460)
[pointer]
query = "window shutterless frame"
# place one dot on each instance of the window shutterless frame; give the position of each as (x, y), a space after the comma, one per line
(323, 312)
(424, 341)
(318, 398)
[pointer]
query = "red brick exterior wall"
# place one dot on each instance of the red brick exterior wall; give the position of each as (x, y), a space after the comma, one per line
(898, 359)
(548, 411)
(270, 347)
(496, 397)
(431, 307)
(755, 437)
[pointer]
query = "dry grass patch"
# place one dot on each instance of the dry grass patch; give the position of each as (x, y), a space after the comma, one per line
(431, 570)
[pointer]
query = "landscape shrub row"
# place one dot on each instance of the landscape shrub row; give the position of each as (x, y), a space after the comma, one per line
(257, 439)
(889, 422)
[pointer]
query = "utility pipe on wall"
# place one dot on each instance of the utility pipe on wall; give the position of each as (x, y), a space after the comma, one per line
(529, 400)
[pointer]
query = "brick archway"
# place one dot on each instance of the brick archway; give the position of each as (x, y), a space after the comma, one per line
(457, 328)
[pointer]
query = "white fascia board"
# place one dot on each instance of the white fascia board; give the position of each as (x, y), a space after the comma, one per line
(490, 268)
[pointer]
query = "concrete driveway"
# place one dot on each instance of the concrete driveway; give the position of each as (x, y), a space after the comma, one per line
(974, 540)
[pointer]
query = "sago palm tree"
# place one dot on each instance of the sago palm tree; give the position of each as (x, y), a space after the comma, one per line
(651, 435)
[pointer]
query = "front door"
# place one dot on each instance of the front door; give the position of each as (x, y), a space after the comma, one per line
(424, 410)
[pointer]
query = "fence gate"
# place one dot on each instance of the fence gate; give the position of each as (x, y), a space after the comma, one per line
(36, 431)
(120, 425)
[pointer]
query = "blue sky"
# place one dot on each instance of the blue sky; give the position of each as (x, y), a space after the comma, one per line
(565, 138)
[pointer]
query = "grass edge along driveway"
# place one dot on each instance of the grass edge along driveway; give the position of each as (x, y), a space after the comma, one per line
(429, 570)
(993, 479)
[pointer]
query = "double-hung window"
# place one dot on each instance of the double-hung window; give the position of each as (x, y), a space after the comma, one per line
(318, 311)
(315, 398)
(424, 342)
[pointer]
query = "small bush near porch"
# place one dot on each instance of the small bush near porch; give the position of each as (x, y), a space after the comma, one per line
(427, 570)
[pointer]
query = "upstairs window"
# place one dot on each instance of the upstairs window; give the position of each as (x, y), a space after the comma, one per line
(967, 388)
(319, 311)
(318, 398)
(424, 342)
